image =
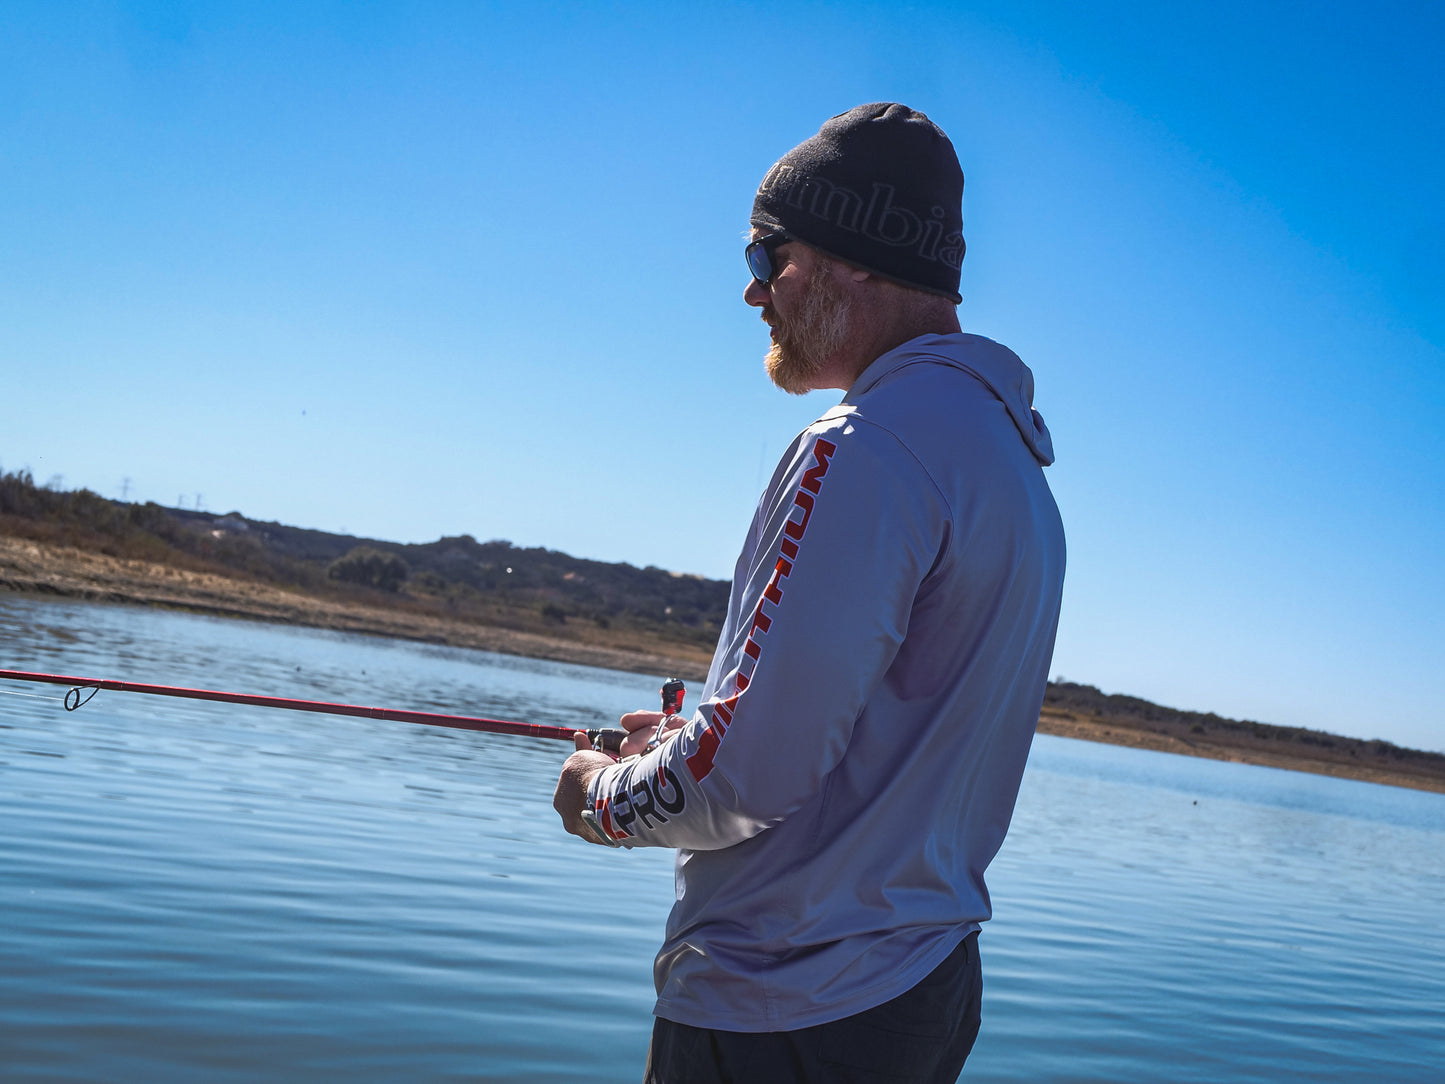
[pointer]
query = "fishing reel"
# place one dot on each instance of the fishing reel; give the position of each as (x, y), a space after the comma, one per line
(609, 740)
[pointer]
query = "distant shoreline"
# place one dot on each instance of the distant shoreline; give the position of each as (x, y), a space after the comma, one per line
(45, 571)
(1113, 731)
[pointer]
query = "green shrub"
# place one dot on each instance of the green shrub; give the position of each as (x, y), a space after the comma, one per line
(369, 568)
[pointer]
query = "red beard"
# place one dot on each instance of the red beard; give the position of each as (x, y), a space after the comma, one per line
(805, 341)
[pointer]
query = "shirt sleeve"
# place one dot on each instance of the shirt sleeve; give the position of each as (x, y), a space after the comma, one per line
(850, 533)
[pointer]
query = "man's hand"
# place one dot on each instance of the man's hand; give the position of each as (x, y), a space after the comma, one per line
(570, 797)
(642, 725)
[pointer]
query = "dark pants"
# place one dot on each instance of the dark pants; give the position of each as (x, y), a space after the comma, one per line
(922, 1037)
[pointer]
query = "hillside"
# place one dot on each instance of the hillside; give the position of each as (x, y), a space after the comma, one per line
(458, 579)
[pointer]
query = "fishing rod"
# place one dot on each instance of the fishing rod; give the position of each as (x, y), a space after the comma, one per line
(607, 740)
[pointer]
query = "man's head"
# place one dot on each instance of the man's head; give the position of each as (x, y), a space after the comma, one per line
(856, 244)
(879, 187)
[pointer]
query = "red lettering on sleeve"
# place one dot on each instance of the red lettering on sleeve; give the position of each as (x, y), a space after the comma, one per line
(822, 452)
(605, 810)
(795, 529)
(773, 592)
(700, 763)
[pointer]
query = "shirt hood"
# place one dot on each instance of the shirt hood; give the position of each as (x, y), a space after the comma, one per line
(995, 365)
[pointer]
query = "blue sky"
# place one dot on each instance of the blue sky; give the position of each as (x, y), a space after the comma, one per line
(411, 270)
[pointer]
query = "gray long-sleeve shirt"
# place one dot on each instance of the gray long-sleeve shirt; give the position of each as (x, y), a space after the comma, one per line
(854, 762)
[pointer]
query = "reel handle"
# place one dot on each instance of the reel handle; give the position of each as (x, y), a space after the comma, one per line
(673, 690)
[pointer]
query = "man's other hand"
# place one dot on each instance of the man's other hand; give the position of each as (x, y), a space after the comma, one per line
(570, 797)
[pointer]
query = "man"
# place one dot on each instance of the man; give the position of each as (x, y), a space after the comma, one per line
(854, 762)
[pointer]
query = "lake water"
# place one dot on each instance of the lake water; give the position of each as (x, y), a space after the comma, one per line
(194, 891)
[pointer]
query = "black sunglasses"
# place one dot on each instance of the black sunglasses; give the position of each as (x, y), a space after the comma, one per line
(759, 255)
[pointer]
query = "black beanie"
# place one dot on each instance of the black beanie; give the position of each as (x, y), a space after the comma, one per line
(879, 187)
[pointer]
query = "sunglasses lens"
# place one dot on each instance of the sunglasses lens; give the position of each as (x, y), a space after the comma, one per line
(758, 262)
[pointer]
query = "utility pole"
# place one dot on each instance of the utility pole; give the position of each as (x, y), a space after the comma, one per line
(124, 488)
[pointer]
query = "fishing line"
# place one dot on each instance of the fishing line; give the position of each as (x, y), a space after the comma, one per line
(35, 696)
(73, 698)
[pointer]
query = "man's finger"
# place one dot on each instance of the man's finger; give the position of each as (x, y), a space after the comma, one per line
(641, 720)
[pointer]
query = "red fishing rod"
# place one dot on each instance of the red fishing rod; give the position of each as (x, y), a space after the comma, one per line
(605, 739)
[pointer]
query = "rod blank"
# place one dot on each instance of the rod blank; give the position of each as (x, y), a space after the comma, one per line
(425, 718)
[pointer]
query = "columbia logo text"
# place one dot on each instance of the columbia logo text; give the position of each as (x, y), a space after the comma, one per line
(877, 217)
